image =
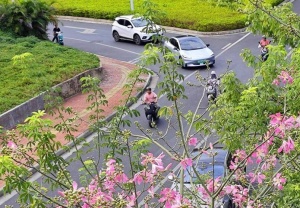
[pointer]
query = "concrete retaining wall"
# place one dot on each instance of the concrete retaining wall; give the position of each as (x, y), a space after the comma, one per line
(11, 118)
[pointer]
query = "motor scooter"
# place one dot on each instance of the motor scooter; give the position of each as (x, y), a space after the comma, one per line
(264, 54)
(151, 113)
(211, 92)
(60, 38)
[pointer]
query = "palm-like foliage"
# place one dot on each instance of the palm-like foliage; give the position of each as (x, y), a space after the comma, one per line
(27, 17)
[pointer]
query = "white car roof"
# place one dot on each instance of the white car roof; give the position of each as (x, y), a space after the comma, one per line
(128, 17)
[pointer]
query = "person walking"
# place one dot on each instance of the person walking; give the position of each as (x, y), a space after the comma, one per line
(56, 30)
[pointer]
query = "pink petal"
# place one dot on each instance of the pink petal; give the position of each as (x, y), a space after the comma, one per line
(74, 184)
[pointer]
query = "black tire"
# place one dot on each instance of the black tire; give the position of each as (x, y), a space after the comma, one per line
(116, 36)
(137, 40)
(151, 121)
(181, 63)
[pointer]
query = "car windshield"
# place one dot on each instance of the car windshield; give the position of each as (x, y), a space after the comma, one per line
(190, 175)
(139, 22)
(191, 43)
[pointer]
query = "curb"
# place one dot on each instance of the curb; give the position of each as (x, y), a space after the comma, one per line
(87, 133)
(169, 29)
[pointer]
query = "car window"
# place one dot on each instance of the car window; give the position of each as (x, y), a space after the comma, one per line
(139, 22)
(127, 23)
(191, 43)
(174, 42)
(121, 22)
(189, 175)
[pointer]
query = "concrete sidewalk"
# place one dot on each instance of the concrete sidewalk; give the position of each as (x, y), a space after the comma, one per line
(114, 77)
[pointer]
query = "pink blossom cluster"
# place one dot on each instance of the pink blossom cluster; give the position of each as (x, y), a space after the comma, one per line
(172, 199)
(284, 78)
(109, 190)
(238, 193)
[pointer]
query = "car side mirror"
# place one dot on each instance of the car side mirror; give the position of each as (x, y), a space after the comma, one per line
(175, 49)
(207, 45)
(129, 26)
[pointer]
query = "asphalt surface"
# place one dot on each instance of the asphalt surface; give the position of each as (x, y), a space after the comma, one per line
(96, 38)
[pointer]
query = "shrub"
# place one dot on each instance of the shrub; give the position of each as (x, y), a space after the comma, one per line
(50, 64)
(27, 17)
(193, 14)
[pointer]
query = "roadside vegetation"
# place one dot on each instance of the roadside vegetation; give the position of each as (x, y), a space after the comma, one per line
(37, 65)
(198, 15)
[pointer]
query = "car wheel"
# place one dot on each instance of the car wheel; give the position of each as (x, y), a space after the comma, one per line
(137, 39)
(183, 65)
(116, 36)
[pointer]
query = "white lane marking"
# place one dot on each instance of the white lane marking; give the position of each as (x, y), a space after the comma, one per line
(118, 48)
(133, 61)
(85, 30)
(103, 45)
(236, 42)
(89, 31)
(289, 53)
(87, 41)
(226, 46)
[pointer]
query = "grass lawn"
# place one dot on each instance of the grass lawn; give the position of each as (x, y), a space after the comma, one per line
(190, 14)
(50, 64)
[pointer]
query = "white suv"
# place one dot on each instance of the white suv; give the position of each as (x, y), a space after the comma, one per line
(134, 28)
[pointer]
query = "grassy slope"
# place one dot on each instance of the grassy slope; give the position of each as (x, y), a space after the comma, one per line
(192, 14)
(51, 65)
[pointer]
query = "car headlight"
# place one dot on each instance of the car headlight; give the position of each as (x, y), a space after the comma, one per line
(212, 55)
(186, 57)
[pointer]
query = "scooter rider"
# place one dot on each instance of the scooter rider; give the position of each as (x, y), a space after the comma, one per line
(213, 83)
(264, 50)
(151, 97)
(264, 41)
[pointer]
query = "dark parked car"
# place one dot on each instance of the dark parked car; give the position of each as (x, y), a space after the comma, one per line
(208, 165)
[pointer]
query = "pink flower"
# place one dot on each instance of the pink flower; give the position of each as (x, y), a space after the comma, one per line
(138, 178)
(110, 167)
(121, 178)
(276, 119)
(186, 162)
(285, 77)
(279, 181)
(74, 184)
(287, 146)
(61, 193)
(193, 141)
(238, 193)
(259, 177)
(275, 82)
(11, 145)
(168, 196)
(131, 201)
(151, 191)
(261, 152)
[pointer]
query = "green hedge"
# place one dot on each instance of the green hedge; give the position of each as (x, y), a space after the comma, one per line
(50, 64)
(190, 14)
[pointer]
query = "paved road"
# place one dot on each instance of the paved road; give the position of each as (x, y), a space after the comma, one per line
(96, 38)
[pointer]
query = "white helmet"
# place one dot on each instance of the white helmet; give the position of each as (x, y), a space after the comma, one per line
(213, 72)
